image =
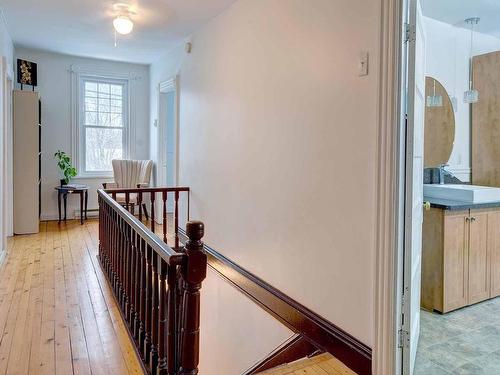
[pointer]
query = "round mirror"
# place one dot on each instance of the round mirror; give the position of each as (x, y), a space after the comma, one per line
(439, 133)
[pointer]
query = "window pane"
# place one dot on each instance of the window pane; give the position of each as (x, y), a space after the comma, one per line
(102, 146)
(104, 88)
(104, 105)
(90, 104)
(116, 90)
(90, 86)
(104, 119)
(116, 120)
(91, 118)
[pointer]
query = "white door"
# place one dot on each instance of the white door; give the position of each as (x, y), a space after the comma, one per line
(167, 154)
(414, 187)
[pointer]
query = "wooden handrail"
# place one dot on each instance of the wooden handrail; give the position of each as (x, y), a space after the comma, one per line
(146, 189)
(156, 287)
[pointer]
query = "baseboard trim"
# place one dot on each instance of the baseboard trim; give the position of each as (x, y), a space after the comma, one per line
(317, 330)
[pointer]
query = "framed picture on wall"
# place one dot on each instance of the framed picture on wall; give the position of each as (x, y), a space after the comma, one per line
(26, 72)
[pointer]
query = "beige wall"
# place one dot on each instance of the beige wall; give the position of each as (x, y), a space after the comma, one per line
(278, 143)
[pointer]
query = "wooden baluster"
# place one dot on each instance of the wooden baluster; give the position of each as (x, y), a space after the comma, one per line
(139, 201)
(149, 303)
(113, 195)
(153, 222)
(188, 203)
(143, 286)
(154, 313)
(164, 199)
(173, 324)
(127, 273)
(137, 288)
(127, 201)
(193, 273)
(162, 353)
(115, 250)
(121, 265)
(176, 223)
(133, 282)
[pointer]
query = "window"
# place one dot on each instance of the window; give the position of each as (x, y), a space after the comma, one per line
(103, 122)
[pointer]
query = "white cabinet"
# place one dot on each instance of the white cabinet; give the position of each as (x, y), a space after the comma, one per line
(27, 165)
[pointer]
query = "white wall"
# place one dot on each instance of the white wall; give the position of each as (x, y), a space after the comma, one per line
(54, 85)
(448, 49)
(6, 54)
(278, 143)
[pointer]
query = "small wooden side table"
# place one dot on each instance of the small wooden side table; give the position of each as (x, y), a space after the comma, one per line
(82, 190)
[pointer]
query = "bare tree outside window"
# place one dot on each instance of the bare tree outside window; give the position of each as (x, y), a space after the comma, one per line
(104, 117)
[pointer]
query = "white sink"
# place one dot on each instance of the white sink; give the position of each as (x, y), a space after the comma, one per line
(463, 193)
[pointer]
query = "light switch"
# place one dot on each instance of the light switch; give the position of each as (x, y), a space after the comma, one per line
(363, 64)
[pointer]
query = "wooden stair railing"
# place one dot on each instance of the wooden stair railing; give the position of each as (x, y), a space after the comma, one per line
(156, 287)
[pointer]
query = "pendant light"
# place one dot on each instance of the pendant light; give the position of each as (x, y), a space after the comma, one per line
(434, 100)
(471, 95)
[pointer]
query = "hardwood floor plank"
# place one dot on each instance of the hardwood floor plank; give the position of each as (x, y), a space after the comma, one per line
(57, 312)
(64, 364)
(13, 308)
(15, 364)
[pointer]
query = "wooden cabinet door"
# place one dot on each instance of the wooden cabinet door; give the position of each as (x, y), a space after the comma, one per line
(479, 262)
(455, 260)
(494, 247)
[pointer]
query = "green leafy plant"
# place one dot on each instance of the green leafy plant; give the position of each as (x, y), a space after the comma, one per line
(64, 164)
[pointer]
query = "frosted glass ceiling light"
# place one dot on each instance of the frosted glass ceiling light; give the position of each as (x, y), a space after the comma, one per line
(123, 25)
(471, 95)
(435, 100)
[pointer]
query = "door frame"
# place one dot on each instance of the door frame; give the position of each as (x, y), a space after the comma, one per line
(167, 86)
(390, 194)
(6, 139)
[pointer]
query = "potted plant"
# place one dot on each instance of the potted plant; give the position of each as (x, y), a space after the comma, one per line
(64, 164)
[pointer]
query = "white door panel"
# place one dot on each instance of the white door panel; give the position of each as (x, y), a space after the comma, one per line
(414, 187)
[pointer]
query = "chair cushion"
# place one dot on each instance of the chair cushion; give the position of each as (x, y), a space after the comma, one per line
(130, 173)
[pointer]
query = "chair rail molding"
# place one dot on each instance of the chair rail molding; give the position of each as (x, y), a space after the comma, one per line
(388, 229)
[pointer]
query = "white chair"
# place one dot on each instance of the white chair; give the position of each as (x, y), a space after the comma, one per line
(130, 174)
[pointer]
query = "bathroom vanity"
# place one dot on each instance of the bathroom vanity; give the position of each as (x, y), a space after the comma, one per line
(460, 248)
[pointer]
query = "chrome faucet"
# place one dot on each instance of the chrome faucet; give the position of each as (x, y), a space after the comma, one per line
(442, 173)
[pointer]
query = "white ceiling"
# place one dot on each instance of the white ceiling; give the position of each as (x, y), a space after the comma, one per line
(454, 12)
(84, 27)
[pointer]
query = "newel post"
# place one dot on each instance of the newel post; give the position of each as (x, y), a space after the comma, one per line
(193, 273)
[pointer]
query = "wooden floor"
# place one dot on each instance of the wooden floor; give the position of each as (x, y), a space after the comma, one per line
(323, 364)
(57, 314)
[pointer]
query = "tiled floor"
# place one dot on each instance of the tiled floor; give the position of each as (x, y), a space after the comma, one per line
(466, 341)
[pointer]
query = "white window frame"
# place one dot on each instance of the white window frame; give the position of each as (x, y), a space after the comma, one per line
(79, 142)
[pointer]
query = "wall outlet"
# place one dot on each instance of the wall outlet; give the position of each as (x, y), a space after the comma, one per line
(363, 64)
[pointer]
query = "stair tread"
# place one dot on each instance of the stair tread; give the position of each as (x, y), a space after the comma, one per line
(323, 364)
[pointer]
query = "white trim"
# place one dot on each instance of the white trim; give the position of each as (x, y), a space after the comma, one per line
(77, 153)
(388, 230)
(170, 85)
(167, 86)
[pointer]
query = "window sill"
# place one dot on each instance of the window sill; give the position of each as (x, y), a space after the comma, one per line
(94, 177)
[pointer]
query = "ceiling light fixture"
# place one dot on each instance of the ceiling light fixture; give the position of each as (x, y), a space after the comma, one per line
(122, 22)
(123, 25)
(471, 95)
